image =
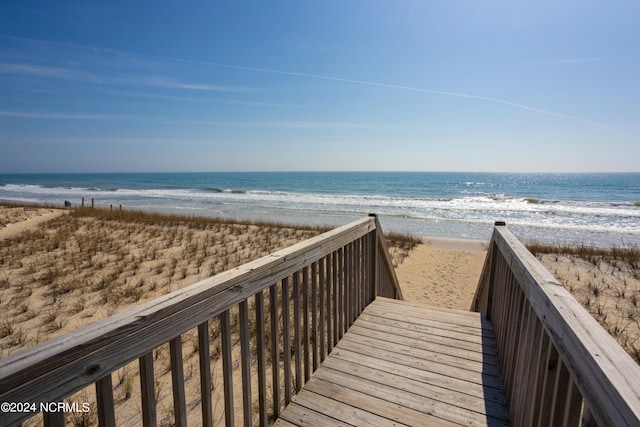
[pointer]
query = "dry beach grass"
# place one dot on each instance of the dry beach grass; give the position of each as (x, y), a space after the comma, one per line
(60, 270)
(605, 281)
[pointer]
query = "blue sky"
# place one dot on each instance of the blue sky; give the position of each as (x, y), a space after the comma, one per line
(451, 85)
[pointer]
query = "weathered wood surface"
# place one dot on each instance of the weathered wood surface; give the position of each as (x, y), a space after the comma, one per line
(383, 270)
(405, 364)
(57, 368)
(559, 365)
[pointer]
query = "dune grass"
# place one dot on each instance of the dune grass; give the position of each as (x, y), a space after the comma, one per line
(613, 255)
(606, 281)
(92, 263)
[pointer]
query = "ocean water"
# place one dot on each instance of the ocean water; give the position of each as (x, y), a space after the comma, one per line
(600, 209)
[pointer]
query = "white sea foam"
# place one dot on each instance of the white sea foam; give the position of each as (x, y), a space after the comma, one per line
(469, 210)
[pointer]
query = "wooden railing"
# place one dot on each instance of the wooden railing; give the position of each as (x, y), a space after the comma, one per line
(288, 309)
(559, 366)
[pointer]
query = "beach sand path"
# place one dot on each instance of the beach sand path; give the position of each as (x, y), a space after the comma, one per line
(442, 274)
(14, 221)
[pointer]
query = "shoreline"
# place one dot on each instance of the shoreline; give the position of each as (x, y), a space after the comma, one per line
(459, 205)
(439, 242)
(41, 212)
(465, 235)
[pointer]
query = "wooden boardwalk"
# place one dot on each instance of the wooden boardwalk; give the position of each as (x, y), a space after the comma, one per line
(406, 364)
(383, 361)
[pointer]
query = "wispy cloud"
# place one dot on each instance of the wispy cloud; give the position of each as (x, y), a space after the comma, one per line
(276, 124)
(45, 59)
(49, 72)
(195, 86)
(34, 70)
(170, 83)
(60, 116)
(203, 100)
(570, 61)
(310, 124)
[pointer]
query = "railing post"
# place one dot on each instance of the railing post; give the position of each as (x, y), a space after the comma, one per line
(205, 374)
(227, 367)
(147, 390)
(390, 278)
(104, 399)
(375, 283)
(261, 358)
(483, 298)
(53, 419)
(275, 350)
(245, 352)
(492, 274)
(177, 380)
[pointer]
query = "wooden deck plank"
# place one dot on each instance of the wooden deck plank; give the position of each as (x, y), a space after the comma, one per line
(373, 405)
(474, 377)
(391, 339)
(419, 306)
(458, 317)
(330, 408)
(282, 423)
(419, 388)
(414, 401)
(368, 344)
(298, 415)
(478, 348)
(411, 329)
(410, 365)
(451, 383)
(444, 321)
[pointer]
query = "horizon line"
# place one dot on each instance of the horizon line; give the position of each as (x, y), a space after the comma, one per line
(323, 171)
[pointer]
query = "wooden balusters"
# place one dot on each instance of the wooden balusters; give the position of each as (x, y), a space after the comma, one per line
(327, 281)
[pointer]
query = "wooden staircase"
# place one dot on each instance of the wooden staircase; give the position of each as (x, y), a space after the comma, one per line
(406, 364)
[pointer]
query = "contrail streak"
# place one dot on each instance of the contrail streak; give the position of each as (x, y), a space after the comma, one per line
(329, 78)
(402, 87)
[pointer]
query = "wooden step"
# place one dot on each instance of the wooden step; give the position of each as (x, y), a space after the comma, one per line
(406, 364)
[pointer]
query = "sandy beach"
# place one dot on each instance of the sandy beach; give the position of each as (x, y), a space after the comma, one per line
(442, 272)
(60, 270)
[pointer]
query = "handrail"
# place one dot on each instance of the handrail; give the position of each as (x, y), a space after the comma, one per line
(560, 367)
(389, 287)
(326, 281)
